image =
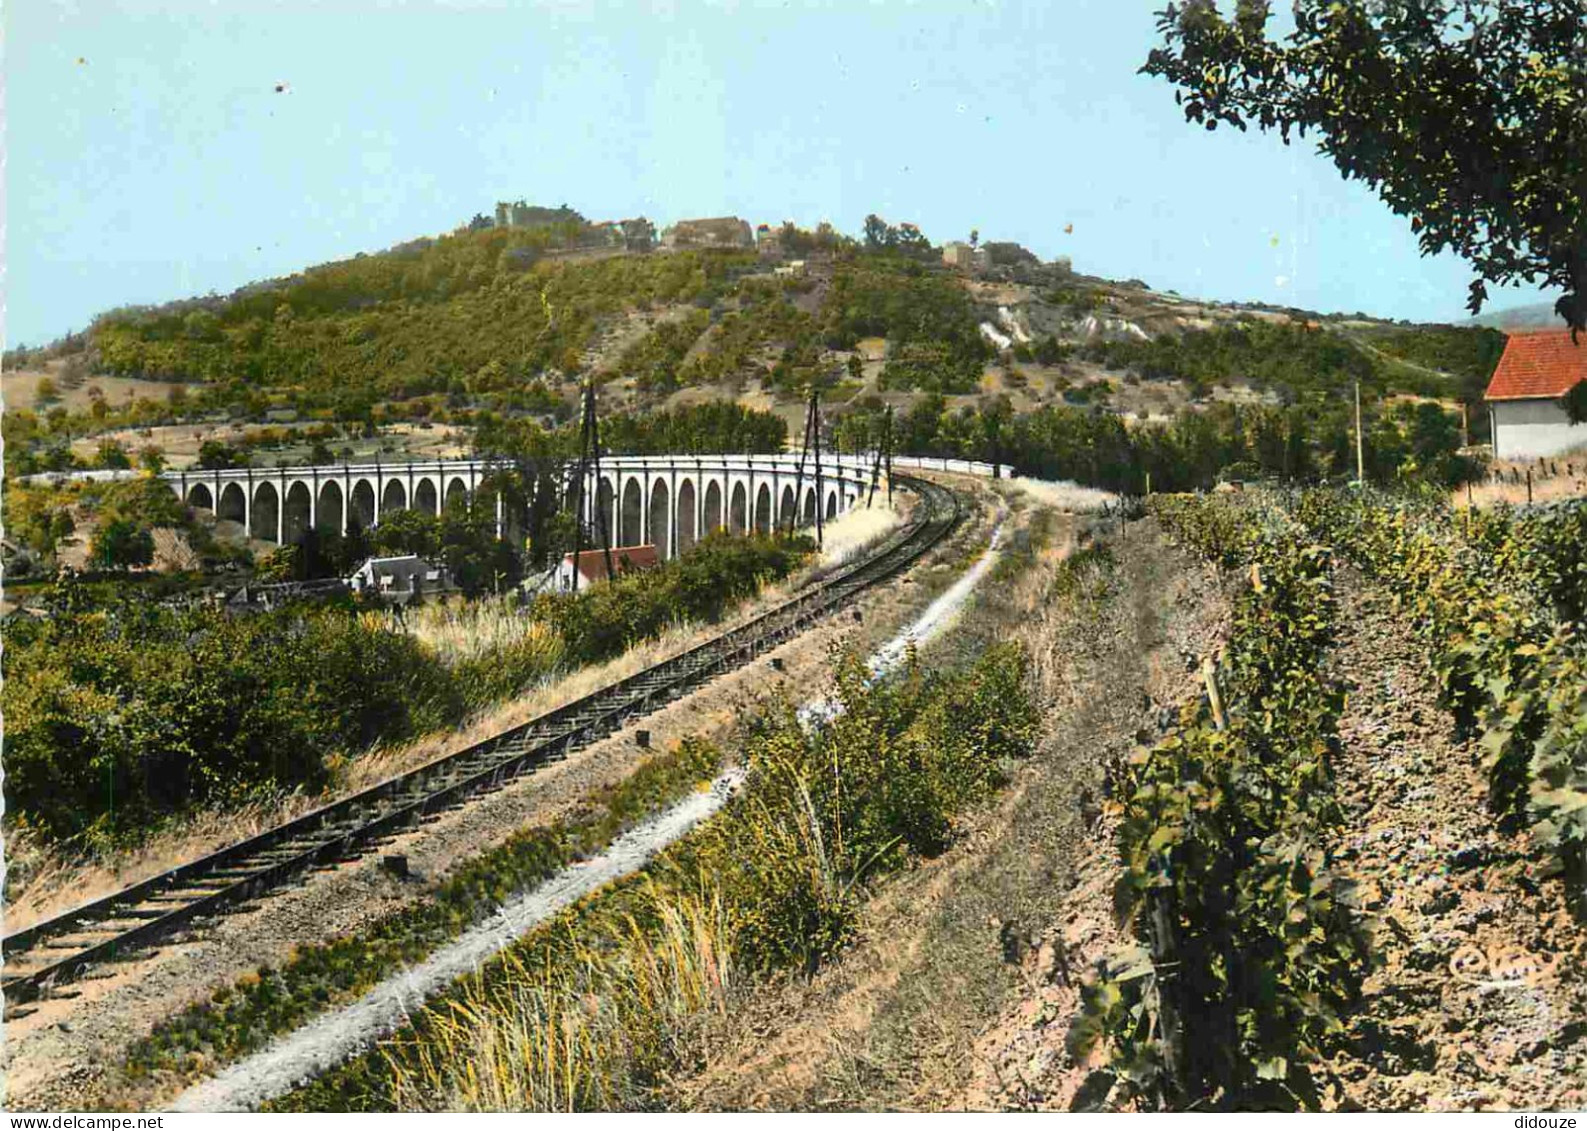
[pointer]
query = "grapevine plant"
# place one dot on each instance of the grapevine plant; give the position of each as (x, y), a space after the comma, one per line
(1498, 601)
(1246, 945)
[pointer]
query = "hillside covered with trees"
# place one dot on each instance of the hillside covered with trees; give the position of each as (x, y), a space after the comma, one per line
(493, 329)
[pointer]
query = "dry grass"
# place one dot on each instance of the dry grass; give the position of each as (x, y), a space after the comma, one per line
(1037, 621)
(20, 388)
(1064, 495)
(173, 552)
(568, 1036)
(1552, 489)
(56, 880)
(468, 630)
(849, 534)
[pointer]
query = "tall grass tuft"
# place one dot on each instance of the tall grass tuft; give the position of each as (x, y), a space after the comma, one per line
(1065, 494)
(460, 631)
(590, 1033)
(852, 532)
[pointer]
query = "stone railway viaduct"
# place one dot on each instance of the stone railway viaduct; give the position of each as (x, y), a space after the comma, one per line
(668, 501)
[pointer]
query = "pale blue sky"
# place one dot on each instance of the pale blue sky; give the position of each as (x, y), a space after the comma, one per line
(165, 164)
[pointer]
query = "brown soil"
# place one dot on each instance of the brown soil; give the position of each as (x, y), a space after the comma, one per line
(957, 983)
(1480, 1001)
(63, 1053)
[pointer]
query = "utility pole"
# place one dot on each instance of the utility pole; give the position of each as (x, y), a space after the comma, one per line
(799, 474)
(876, 473)
(589, 462)
(576, 488)
(595, 459)
(815, 431)
(1361, 465)
(887, 450)
(812, 442)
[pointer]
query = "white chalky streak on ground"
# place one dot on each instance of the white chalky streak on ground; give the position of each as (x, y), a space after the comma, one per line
(939, 615)
(330, 1039)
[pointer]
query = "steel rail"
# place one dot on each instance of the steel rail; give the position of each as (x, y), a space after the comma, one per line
(163, 904)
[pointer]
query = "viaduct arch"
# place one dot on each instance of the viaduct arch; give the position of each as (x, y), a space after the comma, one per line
(670, 501)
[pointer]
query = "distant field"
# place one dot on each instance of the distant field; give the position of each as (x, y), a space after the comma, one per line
(21, 389)
(180, 442)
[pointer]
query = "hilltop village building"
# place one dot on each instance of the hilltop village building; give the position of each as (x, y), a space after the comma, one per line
(639, 234)
(720, 231)
(1524, 397)
(520, 215)
(636, 234)
(963, 257)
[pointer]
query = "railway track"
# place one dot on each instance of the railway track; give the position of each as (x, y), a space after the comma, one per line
(52, 952)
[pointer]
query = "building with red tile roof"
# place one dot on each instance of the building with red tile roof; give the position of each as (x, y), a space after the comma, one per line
(592, 564)
(1538, 368)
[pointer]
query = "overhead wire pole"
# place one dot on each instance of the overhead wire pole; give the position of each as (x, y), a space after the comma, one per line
(994, 441)
(589, 458)
(815, 429)
(595, 459)
(887, 447)
(799, 475)
(1361, 467)
(876, 473)
(578, 491)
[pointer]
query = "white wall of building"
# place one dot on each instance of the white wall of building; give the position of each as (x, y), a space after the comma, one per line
(1532, 428)
(564, 581)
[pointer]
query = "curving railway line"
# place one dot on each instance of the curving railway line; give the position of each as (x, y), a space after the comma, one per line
(54, 951)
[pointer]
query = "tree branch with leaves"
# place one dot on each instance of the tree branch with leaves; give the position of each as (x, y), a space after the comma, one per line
(1467, 116)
